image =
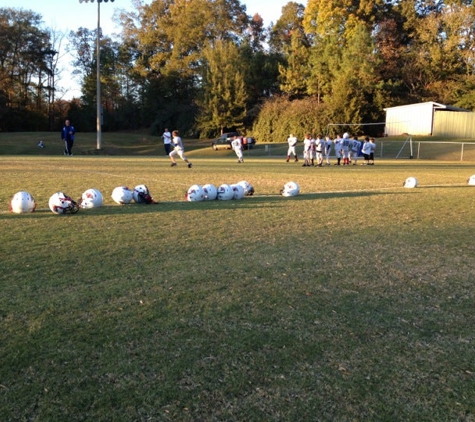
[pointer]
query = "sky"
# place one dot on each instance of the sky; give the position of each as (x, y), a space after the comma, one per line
(67, 15)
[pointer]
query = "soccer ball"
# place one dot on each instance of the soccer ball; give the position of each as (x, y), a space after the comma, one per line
(210, 192)
(248, 189)
(411, 182)
(22, 202)
(60, 203)
(225, 192)
(238, 191)
(122, 195)
(471, 181)
(290, 189)
(195, 193)
(91, 198)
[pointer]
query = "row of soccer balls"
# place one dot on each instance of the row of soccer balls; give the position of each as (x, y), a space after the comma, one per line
(60, 203)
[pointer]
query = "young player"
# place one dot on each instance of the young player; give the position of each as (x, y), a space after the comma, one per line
(236, 145)
(319, 148)
(371, 154)
(308, 145)
(355, 150)
(292, 141)
(366, 150)
(328, 149)
(346, 149)
(178, 149)
(338, 149)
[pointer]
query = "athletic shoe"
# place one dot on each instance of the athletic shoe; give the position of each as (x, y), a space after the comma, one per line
(190, 165)
(173, 165)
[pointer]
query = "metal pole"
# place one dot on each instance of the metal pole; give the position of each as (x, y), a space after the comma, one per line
(98, 122)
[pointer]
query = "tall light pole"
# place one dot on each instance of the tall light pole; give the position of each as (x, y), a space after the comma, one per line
(98, 70)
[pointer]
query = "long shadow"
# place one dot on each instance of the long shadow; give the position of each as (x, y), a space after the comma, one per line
(250, 202)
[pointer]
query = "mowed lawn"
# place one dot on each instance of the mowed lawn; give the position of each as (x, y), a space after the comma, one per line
(353, 301)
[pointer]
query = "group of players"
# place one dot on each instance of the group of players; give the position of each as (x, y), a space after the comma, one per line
(316, 152)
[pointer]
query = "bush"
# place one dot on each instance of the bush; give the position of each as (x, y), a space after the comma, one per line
(280, 116)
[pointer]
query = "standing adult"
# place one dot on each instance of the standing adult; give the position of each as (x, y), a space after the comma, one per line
(167, 141)
(292, 141)
(236, 145)
(67, 135)
(178, 149)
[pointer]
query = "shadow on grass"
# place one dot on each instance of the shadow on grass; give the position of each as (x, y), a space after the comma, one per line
(250, 202)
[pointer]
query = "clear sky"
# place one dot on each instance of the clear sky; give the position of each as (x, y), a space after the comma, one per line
(67, 15)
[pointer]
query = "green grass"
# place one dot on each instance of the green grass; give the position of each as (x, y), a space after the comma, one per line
(352, 301)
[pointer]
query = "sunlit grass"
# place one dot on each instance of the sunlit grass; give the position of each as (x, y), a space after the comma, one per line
(352, 301)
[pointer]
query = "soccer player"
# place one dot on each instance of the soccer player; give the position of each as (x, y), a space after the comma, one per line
(355, 150)
(292, 141)
(328, 149)
(236, 145)
(319, 148)
(371, 154)
(338, 149)
(308, 145)
(366, 150)
(178, 149)
(346, 149)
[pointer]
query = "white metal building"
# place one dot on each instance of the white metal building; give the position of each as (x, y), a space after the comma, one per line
(414, 119)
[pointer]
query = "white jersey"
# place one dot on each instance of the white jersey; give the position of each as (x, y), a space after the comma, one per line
(177, 143)
(307, 144)
(292, 140)
(355, 145)
(366, 148)
(320, 144)
(236, 144)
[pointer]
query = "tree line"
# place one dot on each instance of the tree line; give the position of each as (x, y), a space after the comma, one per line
(205, 66)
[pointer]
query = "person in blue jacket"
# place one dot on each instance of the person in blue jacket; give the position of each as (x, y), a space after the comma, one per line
(67, 135)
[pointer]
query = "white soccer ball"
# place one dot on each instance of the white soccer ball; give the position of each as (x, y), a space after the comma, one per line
(248, 189)
(238, 191)
(225, 192)
(91, 198)
(22, 202)
(122, 195)
(411, 182)
(210, 192)
(471, 181)
(60, 203)
(195, 193)
(140, 189)
(290, 189)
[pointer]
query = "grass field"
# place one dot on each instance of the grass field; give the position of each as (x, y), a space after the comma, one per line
(352, 301)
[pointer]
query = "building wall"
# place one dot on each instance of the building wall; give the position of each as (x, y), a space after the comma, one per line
(412, 119)
(454, 124)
